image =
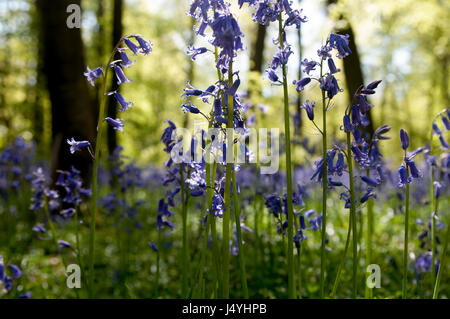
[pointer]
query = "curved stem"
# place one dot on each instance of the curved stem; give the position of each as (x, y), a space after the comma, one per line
(347, 243)
(441, 264)
(98, 140)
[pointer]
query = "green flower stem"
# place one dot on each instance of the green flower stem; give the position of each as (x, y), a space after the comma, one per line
(210, 178)
(241, 255)
(226, 214)
(215, 243)
(434, 203)
(324, 190)
(405, 248)
(158, 257)
(287, 134)
(369, 234)
(353, 214)
(77, 243)
(98, 140)
(341, 264)
(442, 263)
(185, 248)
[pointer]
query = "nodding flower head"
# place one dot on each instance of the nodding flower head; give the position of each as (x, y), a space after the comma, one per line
(309, 66)
(227, 34)
(348, 127)
(116, 124)
(437, 189)
(273, 77)
(340, 43)
(332, 66)
(121, 78)
(301, 84)
(404, 139)
(77, 145)
(93, 75)
(144, 46)
(193, 51)
(330, 85)
(126, 62)
(309, 108)
(403, 176)
(124, 105)
(133, 47)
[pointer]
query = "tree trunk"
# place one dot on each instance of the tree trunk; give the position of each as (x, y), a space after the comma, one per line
(112, 103)
(63, 66)
(256, 62)
(352, 65)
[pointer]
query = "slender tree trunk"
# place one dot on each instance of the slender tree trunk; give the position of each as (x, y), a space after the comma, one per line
(352, 64)
(112, 103)
(63, 66)
(257, 57)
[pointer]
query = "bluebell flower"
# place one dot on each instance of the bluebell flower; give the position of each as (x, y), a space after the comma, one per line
(368, 194)
(193, 51)
(332, 66)
(318, 172)
(145, 46)
(63, 244)
(324, 52)
(191, 108)
(369, 181)
(309, 108)
(330, 85)
(437, 189)
(15, 271)
(443, 142)
(133, 47)
(281, 57)
(126, 62)
(121, 78)
(166, 137)
(39, 229)
(273, 202)
(93, 75)
(266, 12)
(348, 127)
(309, 66)
(363, 104)
(412, 168)
(226, 34)
(295, 18)
(446, 123)
(26, 295)
(77, 145)
(69, 212)
(340, 43)
(217, 207)
(403, 177)
(153, 246)
(301, 84)
(436, 129)
(373, 85)
(404, 139)
(116, 124)
(423, 263)
(124, 105)
(273, 77)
